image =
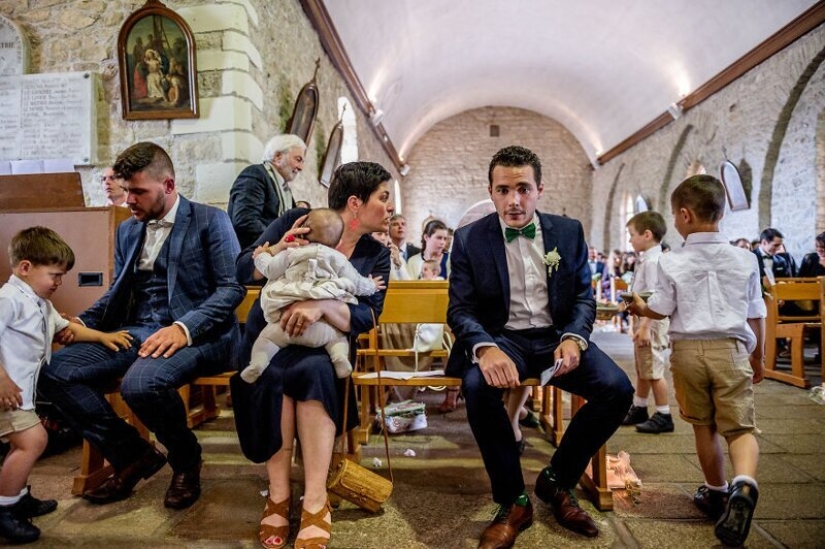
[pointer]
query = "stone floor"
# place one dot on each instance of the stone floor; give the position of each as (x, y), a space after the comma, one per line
(441, 497)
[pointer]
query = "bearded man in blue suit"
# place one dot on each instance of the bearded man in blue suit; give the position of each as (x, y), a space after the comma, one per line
(175, 292)
(521, 299)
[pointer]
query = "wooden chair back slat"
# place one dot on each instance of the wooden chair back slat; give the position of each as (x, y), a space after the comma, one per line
(416, 301)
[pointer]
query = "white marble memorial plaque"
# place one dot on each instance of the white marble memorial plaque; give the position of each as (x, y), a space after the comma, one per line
(48, 116)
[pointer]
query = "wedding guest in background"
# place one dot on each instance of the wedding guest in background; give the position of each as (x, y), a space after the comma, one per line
(261, 193)
(813, 264)
(433, 244)
(110, 183)
(398, 235)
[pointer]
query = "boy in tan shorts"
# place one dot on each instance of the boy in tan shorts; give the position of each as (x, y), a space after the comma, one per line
(650, 341)
(28, 322)
(711, 292)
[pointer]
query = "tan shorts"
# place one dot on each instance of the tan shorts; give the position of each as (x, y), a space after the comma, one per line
(651, 360)
(15, 421)
(713, 381)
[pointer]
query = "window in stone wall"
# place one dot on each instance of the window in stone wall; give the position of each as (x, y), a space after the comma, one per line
(349, 148)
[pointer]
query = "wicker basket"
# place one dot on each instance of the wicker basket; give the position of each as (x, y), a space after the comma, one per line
(606, 312)
(358, 484)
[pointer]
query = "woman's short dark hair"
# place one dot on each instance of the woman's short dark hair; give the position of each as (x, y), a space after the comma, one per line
(358, 179)
(430, 228)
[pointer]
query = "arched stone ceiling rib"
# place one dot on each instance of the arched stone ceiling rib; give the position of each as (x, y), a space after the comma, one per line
(602, 68)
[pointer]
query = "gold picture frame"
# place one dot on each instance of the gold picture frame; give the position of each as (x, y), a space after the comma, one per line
(158, 77)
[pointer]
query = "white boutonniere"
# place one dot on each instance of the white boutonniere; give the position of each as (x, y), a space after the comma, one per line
(552, 260)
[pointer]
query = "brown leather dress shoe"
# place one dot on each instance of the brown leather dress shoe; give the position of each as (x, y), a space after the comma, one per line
(564, 505)
(510, 520)
(185, 488)
(120, 485)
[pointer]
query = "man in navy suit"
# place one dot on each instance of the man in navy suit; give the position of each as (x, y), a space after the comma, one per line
(175, 292)
(771, 264)
(521, 299)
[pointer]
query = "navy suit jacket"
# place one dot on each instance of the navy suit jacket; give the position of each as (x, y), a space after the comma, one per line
(781, 267)
(253, 203)
(480, 283)
(203, 291)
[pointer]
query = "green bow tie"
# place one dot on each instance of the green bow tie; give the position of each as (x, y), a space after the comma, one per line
(528, 232)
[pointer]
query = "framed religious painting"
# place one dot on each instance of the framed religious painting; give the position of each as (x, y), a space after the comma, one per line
(156, 55)
(737, 197)
(305, 110)
(332, 156)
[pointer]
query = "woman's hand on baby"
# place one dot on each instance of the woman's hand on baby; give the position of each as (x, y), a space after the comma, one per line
(379, 282)
(297, 317)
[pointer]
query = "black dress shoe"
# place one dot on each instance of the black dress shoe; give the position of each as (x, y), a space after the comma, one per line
(510, 520)
(530, 420)
(16, 529)
(30, 507)
(636, 415)
(185, 488)
(564, 505)
(120, 485)
(732, 529)
(710, 502)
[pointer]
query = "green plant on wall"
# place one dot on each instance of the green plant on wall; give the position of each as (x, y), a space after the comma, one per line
(320, 146)
(285, 102)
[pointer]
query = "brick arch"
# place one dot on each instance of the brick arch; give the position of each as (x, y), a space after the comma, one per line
(779, 131)
(675, 155)
(608, 211)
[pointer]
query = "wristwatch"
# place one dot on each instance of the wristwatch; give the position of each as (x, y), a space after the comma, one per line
(578, 340)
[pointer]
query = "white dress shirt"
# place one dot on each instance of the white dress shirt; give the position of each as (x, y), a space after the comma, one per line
(709, 289)
(157, 231)
(529, 302)
(27, 326)
(645, 275)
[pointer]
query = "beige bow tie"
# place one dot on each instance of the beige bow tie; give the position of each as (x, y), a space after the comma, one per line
(159, 223)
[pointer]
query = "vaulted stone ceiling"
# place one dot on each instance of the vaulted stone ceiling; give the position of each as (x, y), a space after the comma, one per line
(603, 68)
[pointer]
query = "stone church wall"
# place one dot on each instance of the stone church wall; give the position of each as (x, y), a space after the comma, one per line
(253, 57)
(449, 166)
(769, 123)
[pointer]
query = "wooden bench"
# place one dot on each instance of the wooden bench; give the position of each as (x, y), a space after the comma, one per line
(426, 302)
(93, 468)
(791, 328)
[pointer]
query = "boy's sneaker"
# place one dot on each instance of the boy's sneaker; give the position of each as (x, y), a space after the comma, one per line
(636, 414)
(30, 507)
(732, 529)
(658, 423)
(710, 502)
(16, 529)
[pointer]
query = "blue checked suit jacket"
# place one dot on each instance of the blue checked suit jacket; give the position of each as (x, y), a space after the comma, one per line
(203, 291)
(480, 283)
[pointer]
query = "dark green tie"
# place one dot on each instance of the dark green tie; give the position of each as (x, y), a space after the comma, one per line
(528, 232)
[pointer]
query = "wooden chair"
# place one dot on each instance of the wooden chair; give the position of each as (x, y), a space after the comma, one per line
(426, 302)
(791, 328)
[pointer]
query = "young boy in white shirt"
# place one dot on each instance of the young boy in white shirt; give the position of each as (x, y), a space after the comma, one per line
(650, 341)
(712, 293)
(28, 322)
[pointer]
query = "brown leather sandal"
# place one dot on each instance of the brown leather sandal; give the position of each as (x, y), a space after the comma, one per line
(274, 537)
(315, 519)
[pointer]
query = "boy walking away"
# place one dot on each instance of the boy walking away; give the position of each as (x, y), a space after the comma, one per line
(712, 293)
(650, 342)
(28, 322)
